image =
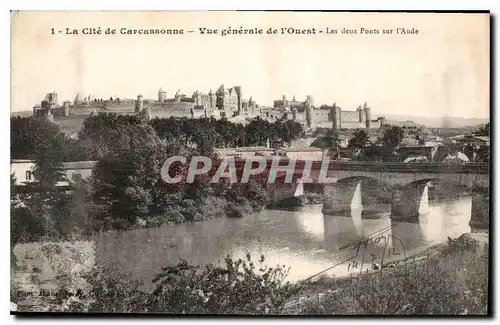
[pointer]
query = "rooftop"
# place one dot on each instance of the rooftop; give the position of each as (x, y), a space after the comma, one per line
(21, 161)
(243, 149)
(483, 138)
(246, 149)
(79, 164)
(295, 149)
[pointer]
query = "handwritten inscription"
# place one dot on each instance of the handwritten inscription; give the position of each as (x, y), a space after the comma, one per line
(380, 237)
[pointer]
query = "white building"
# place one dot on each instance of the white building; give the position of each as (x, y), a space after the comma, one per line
(308, 153)
(23, 170)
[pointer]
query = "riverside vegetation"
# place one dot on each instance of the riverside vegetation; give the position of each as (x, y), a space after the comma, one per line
(451, 279)
(124, 193)
(453, 282)
(125, 190)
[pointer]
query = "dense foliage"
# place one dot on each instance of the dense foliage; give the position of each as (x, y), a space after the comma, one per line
(359, 140)
(329, 141)
(125, 189)
(235, 287)
(208, 133)
(484, 130)
(452, 282)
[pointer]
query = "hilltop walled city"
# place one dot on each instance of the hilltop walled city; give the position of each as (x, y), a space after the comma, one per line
(224, 102)
(250, 163)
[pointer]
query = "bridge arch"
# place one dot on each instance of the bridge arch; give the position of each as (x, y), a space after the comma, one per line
(373, 190)
(367, 195)
(421, 182)
(349, 178)
(405, 182)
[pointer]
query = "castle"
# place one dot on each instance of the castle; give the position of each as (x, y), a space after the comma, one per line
(360, 118)
(224, 102)
(332, 117)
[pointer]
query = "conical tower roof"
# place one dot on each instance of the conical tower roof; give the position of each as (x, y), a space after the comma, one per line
(221, 90)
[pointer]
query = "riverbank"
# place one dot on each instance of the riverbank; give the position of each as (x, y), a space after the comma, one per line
(445, 279)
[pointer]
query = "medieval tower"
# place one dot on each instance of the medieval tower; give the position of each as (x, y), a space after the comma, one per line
(309, 111)
(368, 115)
(162, 95)
(139, 103)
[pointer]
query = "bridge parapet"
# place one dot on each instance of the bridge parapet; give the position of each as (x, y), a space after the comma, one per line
(297, 165)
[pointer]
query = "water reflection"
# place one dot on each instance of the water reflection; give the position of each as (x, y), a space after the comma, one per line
(304, 239)
(410, 234)
(339, 231)
(424, 208)
(313, 225)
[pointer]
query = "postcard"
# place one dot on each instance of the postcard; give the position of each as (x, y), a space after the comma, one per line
(250, 163)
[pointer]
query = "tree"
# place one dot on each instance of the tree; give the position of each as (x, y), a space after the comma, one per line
(231, 134)
(46, 147)
(484, 130)
(329, 141)
(42, 142)
(359, 140)
(125, 177)
(372, 153)
(209, 133)
(288, 130)
(25, 224)
(420, 137)
(74, 212)
(97, 136)
(258, 131)
(392, 138)
(27, 133)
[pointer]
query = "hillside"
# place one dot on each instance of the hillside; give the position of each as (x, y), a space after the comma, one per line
(435, 122)
(447, 122)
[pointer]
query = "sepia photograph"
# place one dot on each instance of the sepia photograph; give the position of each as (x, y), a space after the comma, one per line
(249, 163)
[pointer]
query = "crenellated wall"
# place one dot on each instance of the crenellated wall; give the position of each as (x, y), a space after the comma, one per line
(178, 112)
(171, 106)
(350, 117)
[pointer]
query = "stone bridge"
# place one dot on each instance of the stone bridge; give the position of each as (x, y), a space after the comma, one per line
(404, 186)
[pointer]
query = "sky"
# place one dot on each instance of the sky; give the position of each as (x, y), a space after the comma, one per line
(442, 71)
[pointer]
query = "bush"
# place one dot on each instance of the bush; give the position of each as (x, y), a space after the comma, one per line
(212, 206)
(454, 283)
(237, 287)
(235, 210)
(26, 225)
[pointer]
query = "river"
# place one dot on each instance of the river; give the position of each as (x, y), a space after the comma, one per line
(302, 239)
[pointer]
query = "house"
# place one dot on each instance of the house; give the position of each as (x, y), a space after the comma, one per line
(242, 152)
(409, 142)
(428, 151)
(457, 157)
(480, 141)
(74, 169)
(23, 171)
(305, 153)
(343, 153)
(343, 140)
